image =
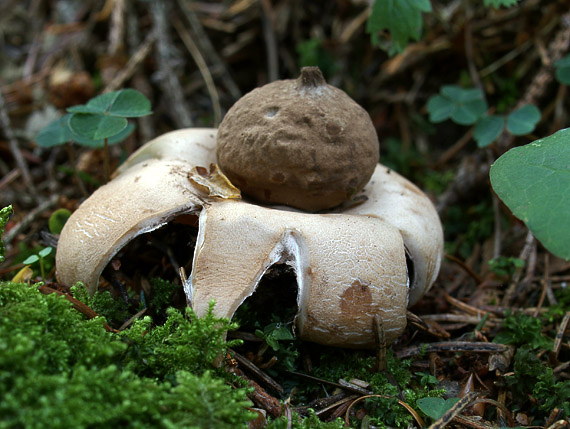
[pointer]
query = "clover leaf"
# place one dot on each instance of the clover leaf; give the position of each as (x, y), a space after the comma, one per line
(523, 121)
(58, 132)
(462, 106)
(105, 115)
(563, 70)
(125, 103)
(488, 129)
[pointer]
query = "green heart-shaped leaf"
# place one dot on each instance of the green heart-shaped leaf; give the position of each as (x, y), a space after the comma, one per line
(117, 138)
(468, 113)
(488, 129)
(100, 104)
(461, 95)
(463, 106)
(534, 182)
(563, 70)
(522, 121)
(32, 259)
(436, 407)
(440, 108)
(45, 251)
(96, 126)
(127, 103)
(55, 133)
(130, 104)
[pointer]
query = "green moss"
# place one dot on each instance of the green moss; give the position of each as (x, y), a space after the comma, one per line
(520, 329)
(60, 370)
(189, 343)
(335, 364)
(532, 377)
(309, 422)
(161, 295)
(4, 217)
(113, 310)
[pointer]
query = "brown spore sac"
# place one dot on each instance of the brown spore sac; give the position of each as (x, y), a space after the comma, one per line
(306, 142)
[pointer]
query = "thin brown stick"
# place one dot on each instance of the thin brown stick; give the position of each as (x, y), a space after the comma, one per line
(168, 77)
(15, 149)
(259, 396)
(454, 411)
(452, 151)
(202, 66)
(545, 284)
(106, 160)
(544, 77)
(132, 65)
(466, 267)
(207, 47)
(259, 374)
(75, 303)
(76, 178)
(336, 404)
(432, 329)
(525, 252)
(270, 42)
(9, 178)
(117, 27)
(413, 412)
(347, 386)
(560, 334)
(380, 339)
(452, 346)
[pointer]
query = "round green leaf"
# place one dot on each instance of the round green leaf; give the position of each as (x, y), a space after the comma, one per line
(31, 260)
(522, 121)
(45, 252)
(461, 95)
(127, 103)
(468, 113)
(488, 129)
(96, 126)
(534, 182)
(57, 220)
(463, 106)
(130, 104)
(100, 104)
(55, 133)
(117, 138)
(440, 108)
(563, 70)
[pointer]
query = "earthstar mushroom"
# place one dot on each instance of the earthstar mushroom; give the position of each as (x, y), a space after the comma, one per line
(302, 143)
(350, 265)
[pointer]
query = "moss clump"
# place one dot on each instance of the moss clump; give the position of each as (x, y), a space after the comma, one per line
(188, 343)
(4, 216)
(309, 422)
(115, 311)
(59, 370)
(533, 378)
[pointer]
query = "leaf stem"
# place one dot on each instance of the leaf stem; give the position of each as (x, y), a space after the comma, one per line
(42, 268)
(78, 181)
(107, 162)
